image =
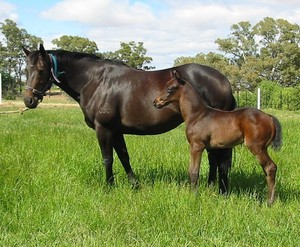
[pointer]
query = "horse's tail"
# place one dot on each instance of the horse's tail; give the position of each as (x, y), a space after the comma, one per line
(277, 140)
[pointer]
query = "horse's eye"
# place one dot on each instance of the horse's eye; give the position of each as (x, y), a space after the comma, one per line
(169, 90)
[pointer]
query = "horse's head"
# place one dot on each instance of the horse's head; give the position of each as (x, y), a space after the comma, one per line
(170, 92)
(38, 70)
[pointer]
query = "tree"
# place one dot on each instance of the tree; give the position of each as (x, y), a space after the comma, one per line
(76, 44)
(242, 50)
(7, 82)
(132, 54)
(11, 54)
(268, 51)
(279, 43)
(240, 44)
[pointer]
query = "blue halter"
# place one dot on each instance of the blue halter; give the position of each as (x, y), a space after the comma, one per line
(54, 68)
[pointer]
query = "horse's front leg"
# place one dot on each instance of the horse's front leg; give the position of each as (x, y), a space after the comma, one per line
(121, 149)
(105, 139)
(194, 168)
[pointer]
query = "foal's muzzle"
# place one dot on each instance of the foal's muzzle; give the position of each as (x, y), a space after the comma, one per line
(158, 103)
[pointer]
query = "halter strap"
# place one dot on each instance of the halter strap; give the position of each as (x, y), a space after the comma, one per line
(35, 91)
(54, 68)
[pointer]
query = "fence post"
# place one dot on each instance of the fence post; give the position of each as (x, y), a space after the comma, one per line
(258, 98)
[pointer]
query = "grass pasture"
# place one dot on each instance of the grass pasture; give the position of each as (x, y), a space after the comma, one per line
(53, 192)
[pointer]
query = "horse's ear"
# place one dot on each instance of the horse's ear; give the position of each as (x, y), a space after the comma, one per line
(177, 75)
(42, 50)
(27, 52)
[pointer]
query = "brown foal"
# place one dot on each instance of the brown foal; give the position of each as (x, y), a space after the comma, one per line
(207, 127)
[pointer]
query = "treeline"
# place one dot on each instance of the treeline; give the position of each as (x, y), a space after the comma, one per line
(265, 55)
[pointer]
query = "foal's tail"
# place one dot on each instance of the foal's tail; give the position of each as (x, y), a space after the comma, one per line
(277, 140)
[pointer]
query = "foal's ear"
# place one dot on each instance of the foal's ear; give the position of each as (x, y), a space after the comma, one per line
(42, 50)
(178, 77)
(27, 52)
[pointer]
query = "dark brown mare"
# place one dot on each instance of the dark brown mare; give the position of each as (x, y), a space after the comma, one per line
(207, 127)
(116, 99)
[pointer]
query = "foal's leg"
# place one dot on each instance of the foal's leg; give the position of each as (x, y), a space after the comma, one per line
(269, 168)
(121, 149)
(105, 139)
(195, 153)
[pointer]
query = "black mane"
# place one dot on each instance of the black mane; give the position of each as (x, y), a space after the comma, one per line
(88, 56)
(74, 55)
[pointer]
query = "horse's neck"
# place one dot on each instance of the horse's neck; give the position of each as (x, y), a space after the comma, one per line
(191, 103)
(69, 74)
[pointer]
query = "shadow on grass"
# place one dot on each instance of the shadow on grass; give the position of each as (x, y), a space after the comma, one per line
(255, 184)
(252, 184)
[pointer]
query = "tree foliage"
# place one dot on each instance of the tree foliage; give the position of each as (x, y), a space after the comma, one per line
(267, 51)
(76, 44)
(11, 54)
(132, 54)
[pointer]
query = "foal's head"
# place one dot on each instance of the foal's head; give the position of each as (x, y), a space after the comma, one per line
(171, 92)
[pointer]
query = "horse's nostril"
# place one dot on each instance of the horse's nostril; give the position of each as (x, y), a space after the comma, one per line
(30, 102)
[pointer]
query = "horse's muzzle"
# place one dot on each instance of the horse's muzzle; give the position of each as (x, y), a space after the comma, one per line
(157, 103)
(31, 101)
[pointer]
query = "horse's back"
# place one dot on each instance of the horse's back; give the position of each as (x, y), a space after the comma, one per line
(210, 83)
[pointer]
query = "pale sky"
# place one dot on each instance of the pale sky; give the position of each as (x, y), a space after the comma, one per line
(168, 28)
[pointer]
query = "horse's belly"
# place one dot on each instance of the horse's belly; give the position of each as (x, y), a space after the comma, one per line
(149, 120)
(149, 128)
(226, 138)
(225, 143)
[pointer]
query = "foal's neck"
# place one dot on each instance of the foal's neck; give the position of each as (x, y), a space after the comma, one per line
(191, 104)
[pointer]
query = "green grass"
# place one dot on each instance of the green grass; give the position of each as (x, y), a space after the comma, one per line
(53, 192)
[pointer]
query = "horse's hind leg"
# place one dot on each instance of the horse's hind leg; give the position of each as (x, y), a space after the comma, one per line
(270, 169)
(121, 149)
(219, 159)
(213, 166)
